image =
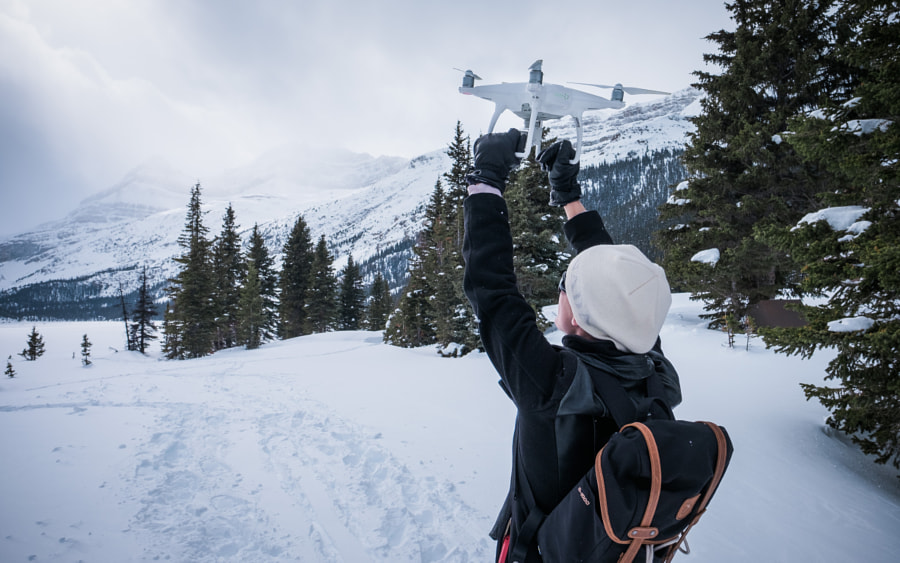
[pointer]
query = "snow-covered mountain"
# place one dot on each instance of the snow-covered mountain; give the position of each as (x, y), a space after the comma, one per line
(364, 205)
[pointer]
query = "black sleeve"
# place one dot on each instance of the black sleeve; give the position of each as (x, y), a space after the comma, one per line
(526, 362)
(586, 230)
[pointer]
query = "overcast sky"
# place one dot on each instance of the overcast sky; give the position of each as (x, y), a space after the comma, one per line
(90, 89)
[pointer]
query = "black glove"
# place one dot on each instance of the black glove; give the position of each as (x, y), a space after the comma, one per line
(557, 160)
(495, 156)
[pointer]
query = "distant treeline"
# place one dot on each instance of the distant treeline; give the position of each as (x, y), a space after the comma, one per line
(628, 193)
(75, 299)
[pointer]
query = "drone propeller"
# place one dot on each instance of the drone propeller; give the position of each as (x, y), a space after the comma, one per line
(468, 73)
(627, 89)
(469, 78)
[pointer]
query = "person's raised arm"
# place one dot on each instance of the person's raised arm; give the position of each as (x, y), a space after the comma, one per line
(509, 332)
(583, 229)
(556, 160)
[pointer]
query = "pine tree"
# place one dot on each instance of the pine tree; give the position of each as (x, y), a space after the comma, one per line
(744, 181)
(296, 272)
(85, 351)
(143, 329)
(854, 265)
(10, 372)
(437, 261)
(252, 311)
(258, 256)
(351, 307)
(462, 326)
(410, 325)
(380, 304)
(321, 297)
(192, 311)
(460, 153)
(172, 346)
(34, 348)
(426, 306)
(433, 308)
(228, 271)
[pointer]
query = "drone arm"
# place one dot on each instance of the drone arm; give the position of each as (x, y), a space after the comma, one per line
(533, 136)
(498, 109)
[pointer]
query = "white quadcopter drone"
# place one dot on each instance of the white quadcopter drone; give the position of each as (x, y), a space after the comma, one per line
(536, 102)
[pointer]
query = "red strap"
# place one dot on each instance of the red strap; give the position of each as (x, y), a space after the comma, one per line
(504, 549)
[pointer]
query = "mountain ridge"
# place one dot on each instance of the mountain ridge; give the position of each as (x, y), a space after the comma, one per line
(370, 207)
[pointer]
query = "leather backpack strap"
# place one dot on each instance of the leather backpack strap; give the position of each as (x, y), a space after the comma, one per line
(638, 535)
(721, 461)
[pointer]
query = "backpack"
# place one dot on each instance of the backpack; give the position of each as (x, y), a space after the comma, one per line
(650, 482)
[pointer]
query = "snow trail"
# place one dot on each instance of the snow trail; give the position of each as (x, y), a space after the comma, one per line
(336, 448)
(315, 475)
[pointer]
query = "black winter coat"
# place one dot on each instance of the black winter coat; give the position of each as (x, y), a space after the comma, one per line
(534, 373)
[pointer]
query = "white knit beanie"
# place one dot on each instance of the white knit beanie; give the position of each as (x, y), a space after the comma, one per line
(618, 294)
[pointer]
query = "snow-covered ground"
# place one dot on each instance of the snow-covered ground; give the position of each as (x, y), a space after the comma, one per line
(337, 447)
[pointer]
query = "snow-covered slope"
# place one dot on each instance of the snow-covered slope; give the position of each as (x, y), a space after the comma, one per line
(150, 188)
(611, 135)
(137, 222)
(361, 203)
(339, 448)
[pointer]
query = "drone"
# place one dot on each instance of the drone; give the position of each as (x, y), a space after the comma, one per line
(536, 102)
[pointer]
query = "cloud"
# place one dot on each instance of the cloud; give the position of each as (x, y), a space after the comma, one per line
(94, 88)
(70, 128)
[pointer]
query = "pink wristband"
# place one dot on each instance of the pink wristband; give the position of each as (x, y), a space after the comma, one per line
(484, 189)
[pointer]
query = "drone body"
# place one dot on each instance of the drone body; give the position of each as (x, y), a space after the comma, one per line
(536, 102)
